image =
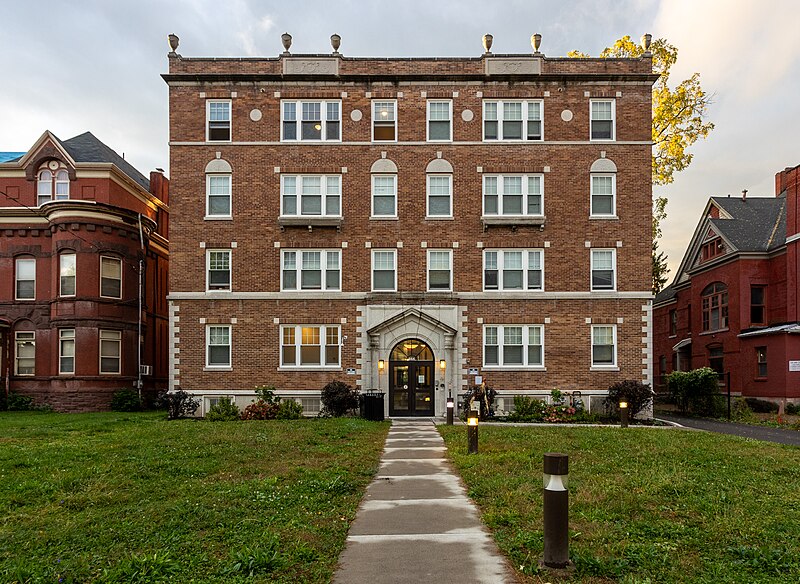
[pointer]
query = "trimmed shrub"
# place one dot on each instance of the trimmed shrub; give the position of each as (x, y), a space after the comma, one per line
(178, 404)
(696, 391)
(339, 399)
(126, 400)
(17, 402)
(527, 409)
(223, 411)
(289, 410)
(761, 406)
(792, 409)
(638, 395)
(261, 410)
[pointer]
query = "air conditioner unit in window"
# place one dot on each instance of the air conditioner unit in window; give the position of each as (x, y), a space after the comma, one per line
(146, 369)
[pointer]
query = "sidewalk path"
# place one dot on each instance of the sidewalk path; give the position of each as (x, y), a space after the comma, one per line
(416, 523)
(778, 435)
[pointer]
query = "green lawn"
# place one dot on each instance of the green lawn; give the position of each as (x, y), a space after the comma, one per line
(647, 505)
(134, 498)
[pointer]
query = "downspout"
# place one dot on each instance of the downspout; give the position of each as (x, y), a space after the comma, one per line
(139, 337)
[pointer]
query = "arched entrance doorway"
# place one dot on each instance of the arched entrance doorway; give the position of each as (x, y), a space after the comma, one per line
(411, 382)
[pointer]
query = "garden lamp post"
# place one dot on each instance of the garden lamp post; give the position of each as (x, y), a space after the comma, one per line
(624, 414)
(450, 407)
(472, 431)
(556, 510)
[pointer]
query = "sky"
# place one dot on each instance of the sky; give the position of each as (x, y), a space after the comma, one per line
(95, 65)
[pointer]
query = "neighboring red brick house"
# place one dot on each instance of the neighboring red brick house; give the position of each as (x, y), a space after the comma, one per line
(406, 224)
(75, 221)
(733, 304)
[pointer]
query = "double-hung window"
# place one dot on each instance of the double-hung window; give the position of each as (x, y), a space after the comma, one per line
(218, 121)
(311, 270)
(440, 195)
(218, 346)
(512, 120)
(384, 195)
(384, 121)
(513, 346)
(604, 267)
(311, 195)
(604, 345)
(715, 307)
(66, 351)
(310, 346)
(67, 271)
(440, 121)
(48, 183)
(218, 269)
(311, 121)
(518, 269)
(110, 277)
(218, 195)
(384, 270)
(601, 119)
(604, 195)
(25, 353)
(513, 195)
(25, 278)
(758, 305)
(440, 270)
(761, 362)
(110, 351)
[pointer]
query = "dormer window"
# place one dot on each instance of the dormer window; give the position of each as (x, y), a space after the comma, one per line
(712, 249)
(50, 183)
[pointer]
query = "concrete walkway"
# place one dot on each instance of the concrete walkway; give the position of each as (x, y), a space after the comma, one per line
(416, 523)
(778, 435)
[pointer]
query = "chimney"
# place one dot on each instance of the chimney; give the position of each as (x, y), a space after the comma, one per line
(744, 194)
(159, 185)
(780, 180)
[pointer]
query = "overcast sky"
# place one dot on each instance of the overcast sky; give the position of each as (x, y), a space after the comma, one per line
(94, 65)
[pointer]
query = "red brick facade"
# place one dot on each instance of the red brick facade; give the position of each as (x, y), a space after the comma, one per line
(760, 338)
(51, 327)
(255, 310)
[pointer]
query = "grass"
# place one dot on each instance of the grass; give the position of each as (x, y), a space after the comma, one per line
(134, 498)
(646, 505)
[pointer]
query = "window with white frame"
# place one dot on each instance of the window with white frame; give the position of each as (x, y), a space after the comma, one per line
(110, 352)
(218, 345)
(513, 195)
(218, 266)
(384, 121)
(384, 195)
(25, 353)
(25, 275)
(440, 270)
(440, 195)
(604, 195)
(218, 121)
(110, 277)
(52, 186)
(602, 119)
(513, 346)
(440, 121)
(311, 120)
(67, 271)
(310, 346)
(66, 351)
(384, 270)
(311, 195)
(512, 120)
(218, 195)
(513, 269)
(604, 267)
(604, 345)
(311, 269)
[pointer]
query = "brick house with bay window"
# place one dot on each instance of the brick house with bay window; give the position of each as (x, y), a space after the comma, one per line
(404, 224)
(75, 221)
(733, 305)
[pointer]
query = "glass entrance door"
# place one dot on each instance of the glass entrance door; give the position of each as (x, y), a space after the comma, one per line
(411, 384)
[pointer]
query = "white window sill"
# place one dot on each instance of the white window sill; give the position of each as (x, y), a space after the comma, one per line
(513, 368)
(218, 218)
(603, 368)
(384, 291)
(440, 291)
(384, 141)
(317, 291)
(384, 218)
(606, 290)
(218, 291)
(207, 368)
(604, 217)
(218, 141)
(514, 291)
(602, 140)
(511, 140)
(310, 368)
(439, 218)
(325, 141)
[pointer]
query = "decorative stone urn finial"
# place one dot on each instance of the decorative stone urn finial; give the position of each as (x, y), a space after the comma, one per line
(173, 42)
(646, 40)
(487, 43)
(286, 39)
(536, 42)
(336, 42)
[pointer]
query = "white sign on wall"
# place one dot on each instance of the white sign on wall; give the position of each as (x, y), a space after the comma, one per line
(794, 365)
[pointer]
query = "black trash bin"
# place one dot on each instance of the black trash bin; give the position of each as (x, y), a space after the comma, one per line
(372, 405)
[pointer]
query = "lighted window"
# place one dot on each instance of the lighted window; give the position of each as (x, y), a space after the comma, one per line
(384, 121)
(715, 307)
(761, 361)
(310, 346)
(312, 121)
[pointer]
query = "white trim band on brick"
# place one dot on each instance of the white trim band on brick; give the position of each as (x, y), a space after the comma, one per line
(534, 295)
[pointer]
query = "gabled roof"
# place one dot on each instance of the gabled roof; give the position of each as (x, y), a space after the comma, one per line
(665, 295)
(87, 148)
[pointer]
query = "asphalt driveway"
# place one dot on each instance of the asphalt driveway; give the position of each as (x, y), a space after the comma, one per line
(778, 435)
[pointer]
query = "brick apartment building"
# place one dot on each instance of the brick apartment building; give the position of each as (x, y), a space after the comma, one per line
(75, 220)
(733, 305)
(405, 224)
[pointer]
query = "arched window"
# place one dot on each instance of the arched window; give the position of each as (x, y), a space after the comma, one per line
(62, 185)
(44, 187)
(50, 183)
(218, 189)
(715, 307)
(440, 189)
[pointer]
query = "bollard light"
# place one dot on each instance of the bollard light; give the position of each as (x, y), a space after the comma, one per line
(472, 433)
(451, 406)
(624, 414)
(556, 510)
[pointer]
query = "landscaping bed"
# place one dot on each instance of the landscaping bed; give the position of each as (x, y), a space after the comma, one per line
(118, 497)
(668, 506)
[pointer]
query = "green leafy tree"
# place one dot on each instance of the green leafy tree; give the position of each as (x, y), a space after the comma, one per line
(679, 120)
